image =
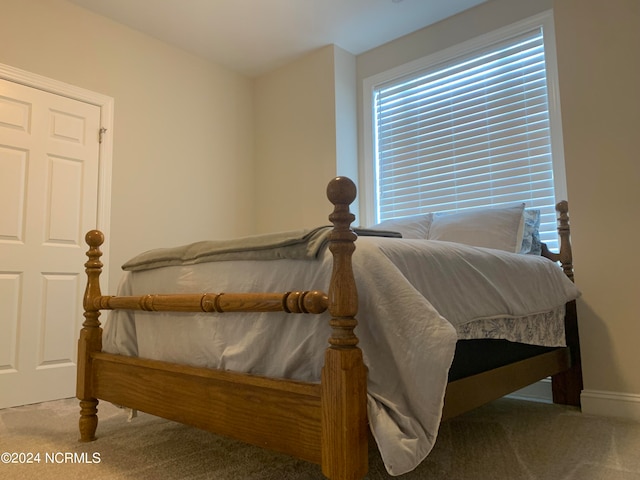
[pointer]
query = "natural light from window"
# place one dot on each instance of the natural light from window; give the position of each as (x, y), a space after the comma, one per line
(470, 129)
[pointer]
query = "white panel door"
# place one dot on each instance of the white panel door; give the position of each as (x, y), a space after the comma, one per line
(49, 169)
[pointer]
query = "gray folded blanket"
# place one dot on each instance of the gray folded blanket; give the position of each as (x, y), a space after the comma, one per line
(302, 244)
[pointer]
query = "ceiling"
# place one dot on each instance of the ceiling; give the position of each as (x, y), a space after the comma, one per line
(255, 36)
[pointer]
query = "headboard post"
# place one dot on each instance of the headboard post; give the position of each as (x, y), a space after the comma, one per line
(567, 386)
(566, 256)
(344, 376)
(90, 338)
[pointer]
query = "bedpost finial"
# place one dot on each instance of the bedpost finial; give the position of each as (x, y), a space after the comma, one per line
(341, 191)
(562, 207)
(94, 238)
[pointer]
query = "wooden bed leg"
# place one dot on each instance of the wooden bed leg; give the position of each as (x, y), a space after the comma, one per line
(344, 375)
(90, 339)
(567, 386)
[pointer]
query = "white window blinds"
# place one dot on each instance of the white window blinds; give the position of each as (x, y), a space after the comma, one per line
(469, 133)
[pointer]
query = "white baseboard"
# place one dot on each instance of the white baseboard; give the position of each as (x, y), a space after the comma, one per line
(536, 392)
(593, 402)
(611, 404)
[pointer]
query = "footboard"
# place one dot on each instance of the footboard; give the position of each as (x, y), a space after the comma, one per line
(324, 423)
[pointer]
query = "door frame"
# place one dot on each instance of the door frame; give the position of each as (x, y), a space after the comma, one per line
(105, 149)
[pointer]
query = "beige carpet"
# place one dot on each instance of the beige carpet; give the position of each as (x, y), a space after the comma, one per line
(508, 439)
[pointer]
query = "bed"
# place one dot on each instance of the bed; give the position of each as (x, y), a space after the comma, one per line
(291, 369)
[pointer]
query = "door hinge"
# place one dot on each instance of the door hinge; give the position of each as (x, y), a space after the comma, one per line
(101, 133)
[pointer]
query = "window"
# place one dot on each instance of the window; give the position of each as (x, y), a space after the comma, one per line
(471, 127)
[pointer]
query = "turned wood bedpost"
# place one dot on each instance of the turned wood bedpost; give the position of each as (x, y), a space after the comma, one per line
(565, 256)
(567, 386)
(344, 376)
(90, 338)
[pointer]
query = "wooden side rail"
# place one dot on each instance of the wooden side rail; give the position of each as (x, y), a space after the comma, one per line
(471, 392)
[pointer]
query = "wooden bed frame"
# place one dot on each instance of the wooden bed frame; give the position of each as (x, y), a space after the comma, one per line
(324, 423)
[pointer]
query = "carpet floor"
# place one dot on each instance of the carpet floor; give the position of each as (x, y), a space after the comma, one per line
(507, 439)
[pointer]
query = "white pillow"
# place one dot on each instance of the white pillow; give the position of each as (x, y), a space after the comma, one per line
(415, 226)
(493, 227)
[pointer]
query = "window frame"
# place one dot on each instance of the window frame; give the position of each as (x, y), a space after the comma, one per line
(544, 20)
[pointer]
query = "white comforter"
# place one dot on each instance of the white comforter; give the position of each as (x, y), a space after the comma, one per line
(414, 296)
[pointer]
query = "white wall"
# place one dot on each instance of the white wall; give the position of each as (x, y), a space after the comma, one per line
(299, 110)
(183, 152)
(347, 120)
(599, 74)
(599, 68)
